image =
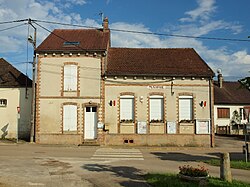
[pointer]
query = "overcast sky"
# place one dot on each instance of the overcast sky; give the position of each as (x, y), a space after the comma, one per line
(200, 18)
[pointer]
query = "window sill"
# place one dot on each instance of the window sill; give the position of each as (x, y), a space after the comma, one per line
(127, 124)
(69, 90)
(69, 132)
(156, 123)
(186, 124)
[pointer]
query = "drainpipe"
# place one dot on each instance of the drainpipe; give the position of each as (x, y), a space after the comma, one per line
(211, 106)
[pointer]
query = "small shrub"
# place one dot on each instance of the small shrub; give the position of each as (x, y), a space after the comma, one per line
(187, 170)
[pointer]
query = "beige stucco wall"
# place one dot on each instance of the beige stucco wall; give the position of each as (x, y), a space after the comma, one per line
(51, 97)
(157, 139)
(9, 116)
(141, 88)
(52, 75)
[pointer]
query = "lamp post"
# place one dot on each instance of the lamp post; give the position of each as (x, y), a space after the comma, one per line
(33, 102)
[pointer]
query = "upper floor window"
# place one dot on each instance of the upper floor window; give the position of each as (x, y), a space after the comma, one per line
(70, 77)
(156, 108)
(127, 108)
(3, 102)
(69, 118)
(223, 113)
(185, 108)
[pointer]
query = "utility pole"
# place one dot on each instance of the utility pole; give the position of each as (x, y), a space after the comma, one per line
(33, 102)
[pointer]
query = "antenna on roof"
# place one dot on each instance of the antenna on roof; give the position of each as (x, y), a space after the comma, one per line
(101, 14)
(219, 71)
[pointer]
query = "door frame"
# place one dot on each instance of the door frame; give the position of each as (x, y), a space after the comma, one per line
(84, 105)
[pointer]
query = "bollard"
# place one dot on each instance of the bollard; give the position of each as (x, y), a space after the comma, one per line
(225, 170)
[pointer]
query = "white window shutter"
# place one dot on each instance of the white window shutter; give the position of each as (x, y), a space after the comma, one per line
(185, 108)
(127, 108)
(70, 77)
(73, 82)
(156, 109)
(69, 118)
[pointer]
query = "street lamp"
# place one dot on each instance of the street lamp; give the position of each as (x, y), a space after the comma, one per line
(33, 102)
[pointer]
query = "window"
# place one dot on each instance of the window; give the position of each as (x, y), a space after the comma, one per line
(127, 108)
(69, 118)
(242, 114)
(71, 44)
(156, 108)
(3, 102)
(223, 113)
(70, 77)
(185, 108)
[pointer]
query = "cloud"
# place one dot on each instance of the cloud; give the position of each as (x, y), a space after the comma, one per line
(197, 22)
(203, 11)
(125, 39)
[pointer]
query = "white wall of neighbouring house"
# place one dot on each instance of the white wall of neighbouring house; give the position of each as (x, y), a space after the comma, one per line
(12, 123)
(225, 121)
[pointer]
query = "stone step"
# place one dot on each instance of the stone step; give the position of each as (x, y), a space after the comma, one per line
(90, 143)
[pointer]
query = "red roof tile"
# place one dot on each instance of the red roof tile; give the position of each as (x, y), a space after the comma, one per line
(156, 61)
(232, 93)
(11, 77)
(89, 39)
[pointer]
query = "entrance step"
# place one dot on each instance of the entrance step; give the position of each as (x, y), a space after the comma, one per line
(90, 143)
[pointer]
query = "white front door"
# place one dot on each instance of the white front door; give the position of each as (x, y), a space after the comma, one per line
(90, 122)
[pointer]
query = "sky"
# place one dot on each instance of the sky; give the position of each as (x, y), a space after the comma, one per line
(228, 19)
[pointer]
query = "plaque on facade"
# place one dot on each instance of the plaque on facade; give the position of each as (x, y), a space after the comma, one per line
(171, 127)
(142, 127)
(202, 127)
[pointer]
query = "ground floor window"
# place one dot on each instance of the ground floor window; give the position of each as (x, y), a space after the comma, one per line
(3, 102)
(223, 113)
(185, 108)
(127, 108)
(156, 108)
(69, 118)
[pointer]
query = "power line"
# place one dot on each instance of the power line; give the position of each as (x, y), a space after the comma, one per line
(14, 21)
(13, 27)
(58, 35)
(149, 33)
(129, 31)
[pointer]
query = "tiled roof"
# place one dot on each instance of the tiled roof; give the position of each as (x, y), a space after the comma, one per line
(156, 61)
(231, 93)
(89, 39)
(11, 77)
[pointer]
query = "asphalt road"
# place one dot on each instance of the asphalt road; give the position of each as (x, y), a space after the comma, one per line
(27, 164)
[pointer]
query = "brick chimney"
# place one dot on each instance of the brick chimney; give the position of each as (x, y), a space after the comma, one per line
(105, 24)
(220, 79)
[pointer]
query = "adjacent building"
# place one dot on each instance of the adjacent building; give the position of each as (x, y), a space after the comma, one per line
(88, 91)
(231, 104)
(15, 102)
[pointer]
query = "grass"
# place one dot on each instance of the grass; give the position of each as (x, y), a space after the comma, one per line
(237, 164)
(164, 180)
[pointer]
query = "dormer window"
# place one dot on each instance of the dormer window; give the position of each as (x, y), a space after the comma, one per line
(71, 44)
(3, 102)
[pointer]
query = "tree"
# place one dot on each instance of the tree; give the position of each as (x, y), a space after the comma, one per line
(235, 118)
(245, 82)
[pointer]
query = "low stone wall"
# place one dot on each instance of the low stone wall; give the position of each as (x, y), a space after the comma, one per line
(158, 140)
(70, 139)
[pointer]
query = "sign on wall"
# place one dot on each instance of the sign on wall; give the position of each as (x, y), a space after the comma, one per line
(202, 126)
(141, 127)
(171, 127)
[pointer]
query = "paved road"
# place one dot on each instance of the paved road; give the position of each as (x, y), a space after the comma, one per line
(48, 165)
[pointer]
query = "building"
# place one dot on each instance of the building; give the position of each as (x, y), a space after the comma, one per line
(88, 91)
(15, 102)
(231, 99)
(157, 97)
